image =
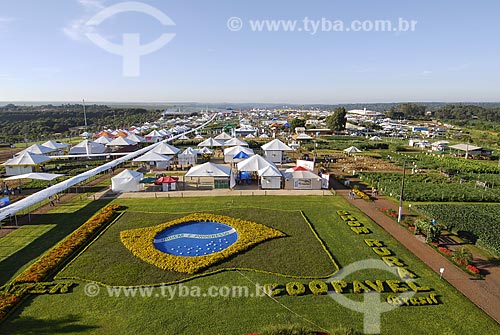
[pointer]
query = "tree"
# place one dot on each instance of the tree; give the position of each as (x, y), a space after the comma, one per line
(338, 120)
(297, 122)
(408, 111)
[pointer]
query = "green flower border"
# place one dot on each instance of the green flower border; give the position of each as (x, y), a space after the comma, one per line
(140, 242)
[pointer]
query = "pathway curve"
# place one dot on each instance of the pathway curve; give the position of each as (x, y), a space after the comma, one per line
(484, 293)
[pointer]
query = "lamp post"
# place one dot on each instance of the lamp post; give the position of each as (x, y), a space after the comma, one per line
(400, 212)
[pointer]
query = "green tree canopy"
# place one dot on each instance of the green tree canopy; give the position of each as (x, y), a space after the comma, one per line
(338, 120)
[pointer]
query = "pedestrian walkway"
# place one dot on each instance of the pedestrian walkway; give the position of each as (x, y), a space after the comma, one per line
(483, 293)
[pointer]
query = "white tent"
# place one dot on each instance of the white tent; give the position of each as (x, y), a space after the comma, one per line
(154, 136)
(250, 136)
(24, 163)
(302, 180)
(254, 164)
(270, 177)
(263, 136)
(205, 151)
(198, 137)
(37, 149)
(352, 150)
(212, 175)
(166, 149)
(38, 176)
(188, 157)
(210, 142)
(121, 142)
(55, 145)
(183, 137)
(231, 151)
(375, 138)
(136, 138)
(127, 181)
(274, 150)
(87, 147)
(222, 137)
(234, 142)
(154, 159)
(303, 137)
(103, 140)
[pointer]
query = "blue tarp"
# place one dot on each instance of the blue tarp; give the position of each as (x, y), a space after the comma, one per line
(4, 201)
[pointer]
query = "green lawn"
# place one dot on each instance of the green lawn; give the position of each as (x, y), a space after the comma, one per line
(21, 238)
(76, 312)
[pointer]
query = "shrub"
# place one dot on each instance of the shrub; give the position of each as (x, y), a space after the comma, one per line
(295, 288)
(318, 287)
(472, 269)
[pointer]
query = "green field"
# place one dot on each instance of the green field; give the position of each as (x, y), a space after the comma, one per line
(107, 261)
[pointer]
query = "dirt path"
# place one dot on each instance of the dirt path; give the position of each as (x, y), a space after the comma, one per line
(484, 293)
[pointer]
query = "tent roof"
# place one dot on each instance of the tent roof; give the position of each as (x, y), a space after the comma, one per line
(302, 175)
(210, 142)
(166, 180)
(151, 156)
(94, 148)
(209, 170)
(352, 150)
(465, 147)
(236, 149)
(303, 136)
(121, 142)
(375, 138)
(128, 174)
(103, 140)
(250, 136)
(222, 136)
(235, 141)
(55, 145)
(155, 133)
(189, 151)
(166, 149)
(269, 171)
(241, 154)
(300, 168)
(27, 158)
(205, 150)
(254, 163)
(276, 145)
(38, 176)
(136, 138)
(37, 149)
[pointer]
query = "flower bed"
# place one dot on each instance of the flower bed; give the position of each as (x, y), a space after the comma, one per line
(461, 264)
(140, 242)
(57, 255)
(54, 258)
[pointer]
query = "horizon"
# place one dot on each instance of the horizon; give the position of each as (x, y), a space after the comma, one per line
(329, 52)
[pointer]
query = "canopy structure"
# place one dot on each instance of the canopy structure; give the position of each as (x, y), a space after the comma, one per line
(254, 163)
(27, 158)
(166, 149)
(241, 155)
(205, 151)
(154, 159)
(234, 142)
(198, 137)
(209, 170)
(250, 136)
(303, 137)
(276, 145)
(37, 149)
(87, 147)
(35, 198)
(263, 136)
(121, 141)
(222, 137)
(127, 181)
(55, 145)
(35, 175)
(188, 157)
(302, 180)
(183, 137)
(166, 180)
(274, 150)
(210, 142)
(103, 140)
(136, 138)
(230, 152)
(375, 138)
(352, 150)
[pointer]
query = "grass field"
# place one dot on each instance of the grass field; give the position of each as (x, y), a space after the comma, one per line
(107, 260)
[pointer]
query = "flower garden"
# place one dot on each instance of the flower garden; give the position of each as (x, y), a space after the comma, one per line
(293, 249)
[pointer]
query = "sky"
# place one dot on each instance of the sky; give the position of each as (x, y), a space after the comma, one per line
(216, 52)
